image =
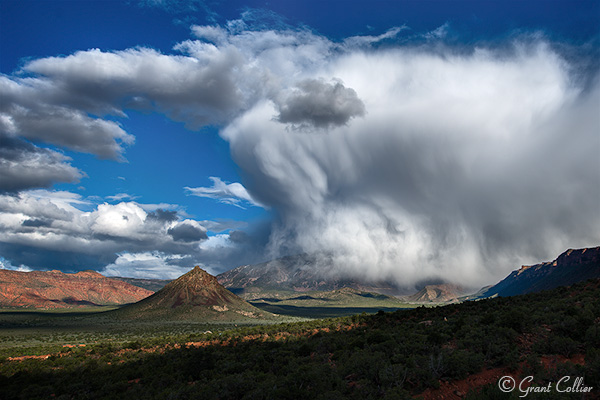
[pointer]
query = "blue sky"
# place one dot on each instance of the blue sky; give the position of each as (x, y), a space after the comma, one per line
(404, 140)
(164, 152)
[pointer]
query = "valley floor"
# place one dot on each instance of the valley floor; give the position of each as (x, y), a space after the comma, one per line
(31, 331)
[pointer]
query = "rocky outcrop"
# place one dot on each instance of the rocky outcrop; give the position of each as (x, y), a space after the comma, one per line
(54, 289)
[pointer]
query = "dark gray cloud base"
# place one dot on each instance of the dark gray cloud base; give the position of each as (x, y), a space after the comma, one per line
(319, 104)
(187, 233)
(24, 165)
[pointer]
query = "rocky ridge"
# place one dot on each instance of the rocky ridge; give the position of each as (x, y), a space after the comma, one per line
(55, 289)
(572, 266)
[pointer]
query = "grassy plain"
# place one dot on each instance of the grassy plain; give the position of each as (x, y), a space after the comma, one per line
(27, 332)
(327, 304)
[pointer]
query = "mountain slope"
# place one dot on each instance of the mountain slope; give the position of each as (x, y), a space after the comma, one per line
(196, 295)
(300, 273)
(437, 293)
(54, 289)
(570, 267)
(150, 284)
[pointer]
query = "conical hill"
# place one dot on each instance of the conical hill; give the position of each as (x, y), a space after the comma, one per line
(196, 295)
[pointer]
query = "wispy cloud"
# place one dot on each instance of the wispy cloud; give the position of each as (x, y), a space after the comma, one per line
(234, 193)
(121, 197)
(176, 6)
(438, 33)
(363, 41)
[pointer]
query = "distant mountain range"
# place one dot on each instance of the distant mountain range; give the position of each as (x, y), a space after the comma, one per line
(300, 273)
(54, 289)
(150, 284)
(196, 295)
(570, 267)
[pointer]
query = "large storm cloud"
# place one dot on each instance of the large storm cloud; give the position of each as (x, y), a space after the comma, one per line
(441, 182)
(463, 166)
(409, 163)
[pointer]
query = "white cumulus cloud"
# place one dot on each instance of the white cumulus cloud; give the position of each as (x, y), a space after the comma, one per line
(148, 265)
(57, 229)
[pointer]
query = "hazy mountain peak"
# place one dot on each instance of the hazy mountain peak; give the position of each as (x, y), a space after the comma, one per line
(298, 273)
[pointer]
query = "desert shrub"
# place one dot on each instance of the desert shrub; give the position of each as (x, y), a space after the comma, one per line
(513, 319)
(461, 363)
(592, 335)
(592, 367)
(557, 344)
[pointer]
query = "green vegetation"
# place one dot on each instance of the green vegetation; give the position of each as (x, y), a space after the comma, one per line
(387, 355)
(327, 304)
(42, 332)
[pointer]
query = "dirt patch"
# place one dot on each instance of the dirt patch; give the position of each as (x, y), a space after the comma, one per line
(551, 362)
(455, 390)
(22, 358)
